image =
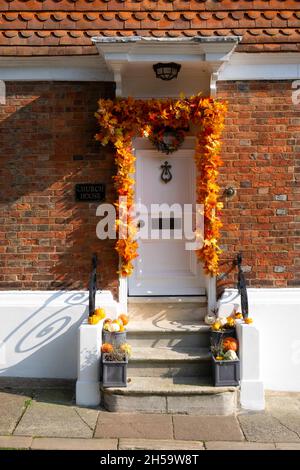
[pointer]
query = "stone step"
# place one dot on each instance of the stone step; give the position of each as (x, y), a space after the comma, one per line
(184, 395)
(169, 362)
(166, 308)
(166, 333)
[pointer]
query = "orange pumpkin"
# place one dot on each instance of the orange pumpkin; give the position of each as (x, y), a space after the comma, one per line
(230, 344)
(124, 319)
(107, 348)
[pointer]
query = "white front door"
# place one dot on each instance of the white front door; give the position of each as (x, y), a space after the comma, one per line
(165, 266)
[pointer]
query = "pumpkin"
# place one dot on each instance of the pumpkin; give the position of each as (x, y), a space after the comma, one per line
(100, 313)
(107, 348)
(248, 321)
(219, 358)
(222, 320)
(93, 320)
(238, 316)
(216, 326)
(126, 348)
(114, 327)
(210, 318)
(230, 344)
(124, 318)
(230, 355)
(230, 322)
(122, 328)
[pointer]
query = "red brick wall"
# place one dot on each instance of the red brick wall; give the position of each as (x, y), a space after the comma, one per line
(46, 135)
(261, 153)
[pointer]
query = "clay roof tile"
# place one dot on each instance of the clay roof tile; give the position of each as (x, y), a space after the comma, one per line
(10, 16)
(124, 15)
(58, 16)
(269, 15)
(91, 16)
(26, 16)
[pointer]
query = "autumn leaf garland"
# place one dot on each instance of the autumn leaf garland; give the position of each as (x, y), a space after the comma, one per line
(123, 119)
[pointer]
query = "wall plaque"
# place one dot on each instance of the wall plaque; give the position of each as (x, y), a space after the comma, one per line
(90, 192)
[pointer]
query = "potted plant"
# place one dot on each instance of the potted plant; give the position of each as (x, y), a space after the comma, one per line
(225, 362)
(114, 364)
(114, 331)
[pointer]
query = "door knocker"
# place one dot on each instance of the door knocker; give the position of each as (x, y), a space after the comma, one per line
(166, 175)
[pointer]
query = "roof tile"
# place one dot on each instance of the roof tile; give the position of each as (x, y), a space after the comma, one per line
(48, 23)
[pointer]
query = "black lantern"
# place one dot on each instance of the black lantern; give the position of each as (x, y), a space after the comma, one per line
(166, 71)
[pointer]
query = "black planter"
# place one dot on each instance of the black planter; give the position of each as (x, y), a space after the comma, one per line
(217, 336)
(114, 374)
(116, 339)
(226, 373)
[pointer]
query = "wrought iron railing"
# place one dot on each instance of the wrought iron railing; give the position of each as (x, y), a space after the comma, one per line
(241, 283)
(242, 287)
(93, 285)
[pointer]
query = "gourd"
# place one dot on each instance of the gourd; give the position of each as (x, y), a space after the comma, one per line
(230, 355)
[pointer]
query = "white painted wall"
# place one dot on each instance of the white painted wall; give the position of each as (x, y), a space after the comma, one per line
(39, 331)
(38, 334)
(276, 314)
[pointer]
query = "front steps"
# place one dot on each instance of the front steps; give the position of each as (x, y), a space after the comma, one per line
(170, 367)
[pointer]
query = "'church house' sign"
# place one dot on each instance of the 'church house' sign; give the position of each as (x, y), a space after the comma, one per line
(90, 192)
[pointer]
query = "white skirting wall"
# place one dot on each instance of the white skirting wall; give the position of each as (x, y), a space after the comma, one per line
(276, 315)
(39, 332)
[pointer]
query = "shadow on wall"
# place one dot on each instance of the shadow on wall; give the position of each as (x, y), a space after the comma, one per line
(42, 342)
(47, 144)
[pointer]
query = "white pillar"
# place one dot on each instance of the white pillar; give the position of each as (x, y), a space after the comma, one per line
(252, 389)
(211, 290)
(89, 352)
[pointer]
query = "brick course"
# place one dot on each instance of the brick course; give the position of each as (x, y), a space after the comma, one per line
(46, 239)
(261, 157)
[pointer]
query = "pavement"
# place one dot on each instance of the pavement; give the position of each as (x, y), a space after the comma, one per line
(50, 420)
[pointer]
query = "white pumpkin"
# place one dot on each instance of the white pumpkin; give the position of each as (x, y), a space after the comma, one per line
(230, 355)
(210, 318)
(114, 327)
(222, 320)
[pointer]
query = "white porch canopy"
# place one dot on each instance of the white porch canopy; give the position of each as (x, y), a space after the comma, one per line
(131, 61)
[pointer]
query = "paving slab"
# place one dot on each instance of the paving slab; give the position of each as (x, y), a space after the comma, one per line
(263, 427)
(15, 442)
(52, 443)
(285, 406)
(207, 428)
(154, 444)
(53, 420)
(143, 426)
(287, 445)
(12, 405)
(229, 445)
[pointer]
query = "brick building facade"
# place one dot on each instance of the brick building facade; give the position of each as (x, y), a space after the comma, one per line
(47, 129)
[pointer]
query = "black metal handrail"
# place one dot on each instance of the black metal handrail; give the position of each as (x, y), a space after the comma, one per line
(241, 283)
(242, 287)
(93, 285)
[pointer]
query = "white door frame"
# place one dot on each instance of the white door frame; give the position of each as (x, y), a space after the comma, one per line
(144, 144)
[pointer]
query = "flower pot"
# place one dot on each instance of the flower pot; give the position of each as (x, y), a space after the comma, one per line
(114, 338)
(114, 374)
(226, 373)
